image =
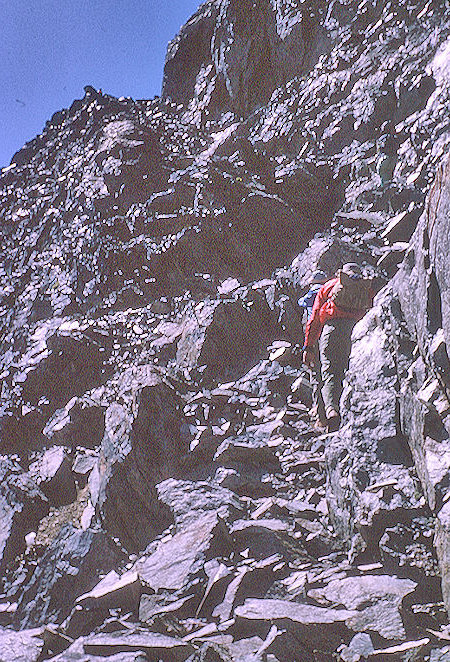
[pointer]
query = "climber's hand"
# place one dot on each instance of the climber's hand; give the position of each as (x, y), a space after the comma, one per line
(309, 357)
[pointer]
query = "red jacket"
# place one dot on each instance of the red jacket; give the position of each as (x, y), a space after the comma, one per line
(323, 310)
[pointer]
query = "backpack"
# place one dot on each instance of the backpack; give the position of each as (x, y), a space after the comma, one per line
(307, 301)
(352, 294)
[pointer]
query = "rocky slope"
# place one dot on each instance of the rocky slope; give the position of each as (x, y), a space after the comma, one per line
(164, 493)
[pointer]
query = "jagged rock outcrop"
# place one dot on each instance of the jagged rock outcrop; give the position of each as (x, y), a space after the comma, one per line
(23, 505)
(164, 493)
(238, 53)
(400, 355)
(144, 443)
(69, 567)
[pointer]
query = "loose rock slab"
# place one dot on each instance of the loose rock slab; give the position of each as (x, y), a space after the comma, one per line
(151, 642)
(113, 591)
(383, 594)
(69, 567)
(175, 559)
(22, 504)
(20, 646)
(313, 626)
(256, 610)
(76, 653)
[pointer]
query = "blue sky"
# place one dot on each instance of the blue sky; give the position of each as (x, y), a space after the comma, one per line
(51, 49)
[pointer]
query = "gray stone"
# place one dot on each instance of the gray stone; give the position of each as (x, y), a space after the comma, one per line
(144, 443)
(440, 654)
(369, 446)
(275, 525)
(143, 238)
(46, 380)
(224, 610)
(401, 226)
(226, 46)
(52, 471)
(282, 609)
(443, 549)
(158, 605)
(250, 649)
(84, 463)
(151, 643)
(69, 567)
(224, 324)
(314, 626)
(249, 451)
(423, 290)
(406, 548)
(76, 653)
(392, 257)
(20, 646)
(358, 649)
(265, 537)
(211, 652)
(114, 591)
(190, 500)
(80, 422)
(181, 556)
(245, 480)
(22, 505)
(383, 593)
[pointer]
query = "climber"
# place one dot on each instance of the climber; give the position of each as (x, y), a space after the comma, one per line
(306, 302)
(338, 305)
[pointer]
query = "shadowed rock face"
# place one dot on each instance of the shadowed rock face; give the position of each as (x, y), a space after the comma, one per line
(238, 53)
(143, 444)
(154, 410)
(67, 568)
(423, 287)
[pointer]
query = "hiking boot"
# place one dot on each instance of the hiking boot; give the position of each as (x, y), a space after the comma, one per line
(333, 421)
(319, 426)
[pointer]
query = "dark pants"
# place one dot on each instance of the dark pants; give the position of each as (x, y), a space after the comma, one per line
(315, 378)
(334, 350)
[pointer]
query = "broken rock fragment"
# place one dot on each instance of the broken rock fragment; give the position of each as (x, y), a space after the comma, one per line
(52, 471)
(69, 567)
(76, 653)
(377, 599)
(22, 505)
(152, 643)
(182, 555)
(189, 500)
(114, 591)
(313, 626)
(144, 443)
(20, 646)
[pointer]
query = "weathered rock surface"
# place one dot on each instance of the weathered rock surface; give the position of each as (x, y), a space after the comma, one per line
(408, 327)
(18, 646)
(164, 491)
(383, 594)
(176, 559)
(144, 442)
(52, 471)
(22, 505)
(68, 568)
(239, 53)
(150, 643)
(307, 627)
